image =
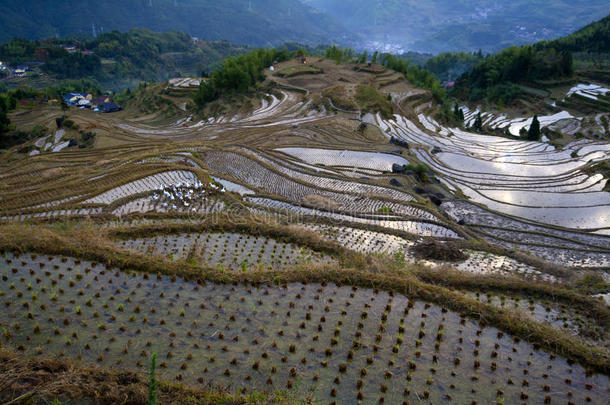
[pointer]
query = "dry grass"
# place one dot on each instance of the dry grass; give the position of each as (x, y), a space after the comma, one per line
(40, 380)
(340, 98)
(450, 278)
(320, 202)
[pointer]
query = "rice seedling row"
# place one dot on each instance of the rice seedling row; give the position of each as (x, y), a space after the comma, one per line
(55, 203)
(362, 240)
(488, 263)
(149, 183)
(557, 315)
(343, 158)
(538, 239)
(232, 251)
(556, 255)
(53, 214)
(411, 227)
(171, 159)
(249, 172)
(144, 205)
(339, 343)
(340, 185)
(475, 215)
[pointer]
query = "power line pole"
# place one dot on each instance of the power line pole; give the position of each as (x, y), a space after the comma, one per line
(249, 5)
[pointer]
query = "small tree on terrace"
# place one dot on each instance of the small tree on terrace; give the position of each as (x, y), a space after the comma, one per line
(458, 113)
(478, 123)
(534, 132)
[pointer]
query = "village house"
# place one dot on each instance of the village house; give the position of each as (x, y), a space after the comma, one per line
(78, 99)
(99, 100)
(21, 70)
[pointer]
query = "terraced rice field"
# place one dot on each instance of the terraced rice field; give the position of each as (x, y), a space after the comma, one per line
(340, 158)
(557, 315)
(250, 172)
(337, 343)
(383, 221)
(524, 179)
(232, 251)
(245, 249)
(592, 91)
(146, 184)
(554, 245)
(515, 125)
(489, 263)
(362, 240)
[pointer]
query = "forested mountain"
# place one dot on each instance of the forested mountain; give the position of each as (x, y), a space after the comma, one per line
(494, 77)
(462, 25)
(249, 22)
(116, 60)
(592, 38)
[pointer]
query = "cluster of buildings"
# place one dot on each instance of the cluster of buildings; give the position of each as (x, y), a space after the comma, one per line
(86, 100)
(19, 71)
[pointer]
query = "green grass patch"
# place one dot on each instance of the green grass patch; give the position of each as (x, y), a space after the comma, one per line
(373, 101)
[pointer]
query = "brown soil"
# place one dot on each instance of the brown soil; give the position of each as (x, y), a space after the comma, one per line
(433, 250)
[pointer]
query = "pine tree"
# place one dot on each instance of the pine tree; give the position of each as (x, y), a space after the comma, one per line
(534, 132)
(478, 123)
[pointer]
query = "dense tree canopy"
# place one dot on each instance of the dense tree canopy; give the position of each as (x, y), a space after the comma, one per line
(238, 74)
(74, 65)
(341, 55)
(495, 76)
(449, 66)
(114, 57)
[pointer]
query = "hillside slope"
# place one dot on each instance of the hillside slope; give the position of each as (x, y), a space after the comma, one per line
(266, 22)
(531, 63)
(594, 37)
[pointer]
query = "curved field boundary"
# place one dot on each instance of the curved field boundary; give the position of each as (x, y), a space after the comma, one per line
(48, 242)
